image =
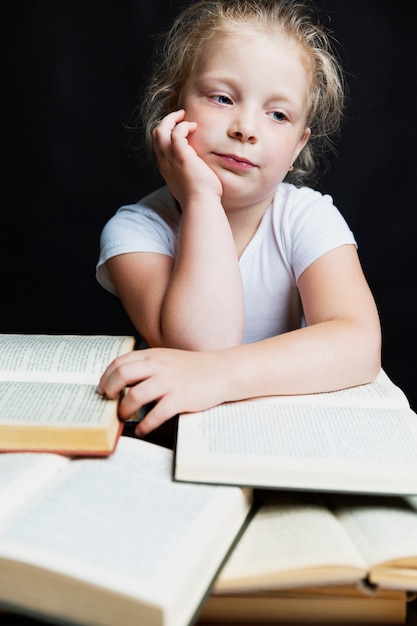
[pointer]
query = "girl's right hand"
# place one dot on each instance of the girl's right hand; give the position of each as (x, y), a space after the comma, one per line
(185, 173)
(176, 381)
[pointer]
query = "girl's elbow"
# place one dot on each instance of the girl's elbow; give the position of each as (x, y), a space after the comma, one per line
(373, 347)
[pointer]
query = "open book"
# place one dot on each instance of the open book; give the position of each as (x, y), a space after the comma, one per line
(300, 539)
(320, 558)
(48, 398)
(112, 540)
(362, 439)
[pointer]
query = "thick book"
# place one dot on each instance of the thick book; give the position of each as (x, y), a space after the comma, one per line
(359, 440)
(111, 540)
(310, 605)
(48, 399)
(299, 539)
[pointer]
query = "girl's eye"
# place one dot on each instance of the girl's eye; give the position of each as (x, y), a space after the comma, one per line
(222, 99)
(278, 116)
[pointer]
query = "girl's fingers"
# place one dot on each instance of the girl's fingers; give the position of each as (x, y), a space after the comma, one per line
(179, 137)
(171, 135)
(162, 133)
(169, 122)
(140, 394)
(159, 414)
(122, 372)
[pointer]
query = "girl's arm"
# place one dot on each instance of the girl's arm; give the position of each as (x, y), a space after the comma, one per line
(195, 301)
(340, 347)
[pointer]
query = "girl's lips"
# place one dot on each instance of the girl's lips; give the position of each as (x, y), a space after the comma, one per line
(236, 162)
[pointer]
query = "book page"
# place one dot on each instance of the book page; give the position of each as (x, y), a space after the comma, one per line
(22, 474)
(69, 358)
(292, 540)
(122, 523)
(57, 417)
(320, 447)
(383, 529)
(386, 436)
(40, 404)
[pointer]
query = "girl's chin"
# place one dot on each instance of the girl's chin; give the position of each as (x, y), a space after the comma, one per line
(240, 198)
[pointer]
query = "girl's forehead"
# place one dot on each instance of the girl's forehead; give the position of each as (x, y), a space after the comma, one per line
(245, 32)
(237, 41)
(251, 32)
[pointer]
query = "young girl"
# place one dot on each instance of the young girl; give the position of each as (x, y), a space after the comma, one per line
(242, 280)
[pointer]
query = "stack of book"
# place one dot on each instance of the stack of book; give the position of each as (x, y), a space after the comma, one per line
(333, 535)
(308, 558)
(280, 510)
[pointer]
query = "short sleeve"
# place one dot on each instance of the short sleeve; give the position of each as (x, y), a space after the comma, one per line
(312, 225)
(150, 225)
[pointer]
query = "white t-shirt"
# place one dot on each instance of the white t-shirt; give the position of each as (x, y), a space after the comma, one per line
(300, 226)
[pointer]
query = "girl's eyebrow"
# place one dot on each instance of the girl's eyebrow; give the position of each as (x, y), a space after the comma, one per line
(211, 76)
(231, 81)
(230, 78)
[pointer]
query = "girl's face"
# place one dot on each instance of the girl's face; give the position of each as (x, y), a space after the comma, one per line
(249, 95)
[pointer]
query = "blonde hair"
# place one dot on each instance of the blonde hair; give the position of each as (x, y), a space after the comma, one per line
(176, 55)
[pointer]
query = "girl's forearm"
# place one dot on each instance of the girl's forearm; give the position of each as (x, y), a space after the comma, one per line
(324, 357)
(203, 308)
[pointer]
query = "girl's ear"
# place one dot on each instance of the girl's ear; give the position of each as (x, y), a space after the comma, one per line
(302, 142)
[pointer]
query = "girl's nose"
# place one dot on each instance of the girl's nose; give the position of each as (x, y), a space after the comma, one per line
(243, 131)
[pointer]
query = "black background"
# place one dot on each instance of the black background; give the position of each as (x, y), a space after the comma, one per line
(74, 69)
